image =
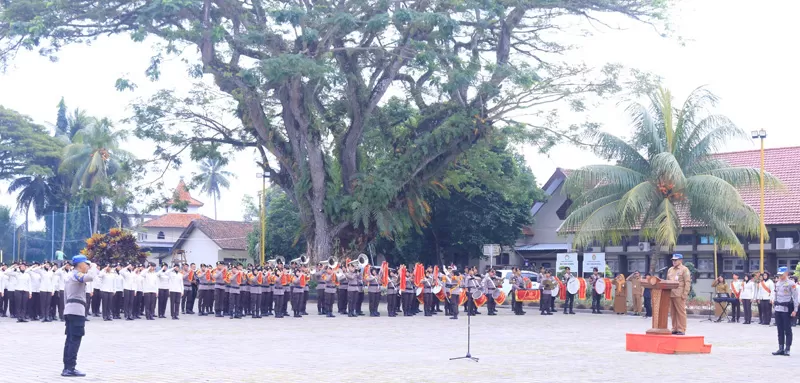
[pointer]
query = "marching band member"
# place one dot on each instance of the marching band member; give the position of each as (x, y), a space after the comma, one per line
(392, 291)
(256, 286)
(747, 296)
(720, 287)
(329, 277)
(218, 276)
(297, 293)
(546, 288)
(736, 292)
(360, 296)
(188, 280)
(374, 291)
(163, 291)
(636, 292)
(352, 291)
(306, 289)
(409, 293)
(234, 297)
(319, 276)
(202, 285)
(427, 291)
(515, 285)
(341, 294)
(764, 294)
(435, 282)
(266, 294)
(245, 291)
(278, 292)
(786, 301)
(489, 287)
(471, 284)
(595, 295)
(455, 293)
(570, 297)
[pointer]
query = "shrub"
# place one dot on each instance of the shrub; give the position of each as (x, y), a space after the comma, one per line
(115, 247)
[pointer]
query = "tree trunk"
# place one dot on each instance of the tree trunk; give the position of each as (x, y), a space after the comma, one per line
(64, 228)
(96, 214)
(25, 250)
(654, 256)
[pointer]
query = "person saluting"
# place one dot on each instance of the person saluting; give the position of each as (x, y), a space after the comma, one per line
(75, 311)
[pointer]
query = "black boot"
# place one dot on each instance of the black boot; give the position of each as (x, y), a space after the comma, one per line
(786, 351)
(780, 351)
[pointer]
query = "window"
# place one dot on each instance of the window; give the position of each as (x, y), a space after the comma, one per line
(562, 211)
(755, 263)
(546, 265)
(613, 265)
(662, 263)
(788, 234)
(686, 239)
(705, 265)
(790, 263)
(160, 235)
(733, 265)
(503, 259)
(706, 240)
(636, 265)
(142, 236)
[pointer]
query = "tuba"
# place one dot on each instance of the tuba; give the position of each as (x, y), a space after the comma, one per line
(301, 260)
(279, 260)
(360, 262)
(330, 262)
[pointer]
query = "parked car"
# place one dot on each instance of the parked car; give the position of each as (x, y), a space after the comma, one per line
(506, 275)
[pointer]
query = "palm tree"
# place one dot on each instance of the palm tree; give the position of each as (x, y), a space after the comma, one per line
(212, 178)
(34, 191)
(665, 175)
(94, 156)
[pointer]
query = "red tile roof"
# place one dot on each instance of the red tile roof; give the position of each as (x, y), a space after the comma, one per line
(228, 235)
(781, 207)
(183, 195)
(181, 220)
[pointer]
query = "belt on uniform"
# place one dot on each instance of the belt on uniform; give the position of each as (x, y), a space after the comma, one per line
(235, 287)
(75, 300)
(220, 284)
(373, 284)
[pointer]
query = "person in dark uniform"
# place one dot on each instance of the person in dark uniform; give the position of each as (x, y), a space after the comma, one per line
(329, 278)
(785, 300)
(648, 300)
(74, 312)
(595, 296)
(319, 276)
(341, 295)
(352, 291)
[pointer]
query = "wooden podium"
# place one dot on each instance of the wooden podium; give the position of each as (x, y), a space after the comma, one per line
(659, 338)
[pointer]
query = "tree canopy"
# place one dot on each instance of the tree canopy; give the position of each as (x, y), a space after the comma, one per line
(25, 147)
(665, 175)
(357, 107)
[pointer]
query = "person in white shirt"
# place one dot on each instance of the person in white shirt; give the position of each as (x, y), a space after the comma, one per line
(22, 292)
(175, 290)
(45, 277)
(59, 278)
(747, 296)
(163, 291)
(150, 288)
(89, 295)
(106, 279)
(34, 303)
(138, 299)
(119, 290)
(3, 291)
(764, 292)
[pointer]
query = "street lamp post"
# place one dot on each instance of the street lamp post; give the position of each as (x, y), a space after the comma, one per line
(761, 134)
(263, 209)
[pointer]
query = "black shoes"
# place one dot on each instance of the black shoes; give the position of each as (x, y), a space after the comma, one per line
(72, 373)
(780, 351)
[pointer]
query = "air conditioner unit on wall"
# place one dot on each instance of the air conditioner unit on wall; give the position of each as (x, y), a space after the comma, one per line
(644, 246)
(785, 243)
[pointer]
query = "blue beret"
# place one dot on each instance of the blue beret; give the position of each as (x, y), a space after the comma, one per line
(677, 256)
(782, 269)
(78, 259)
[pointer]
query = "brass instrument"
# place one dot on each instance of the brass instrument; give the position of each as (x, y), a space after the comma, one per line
(279, 260)
(360, 262)
(301, 260)
(547, 284)
(330, 262)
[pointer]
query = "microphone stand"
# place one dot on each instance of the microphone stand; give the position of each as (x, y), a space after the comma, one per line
(469, 316)
(711, 309)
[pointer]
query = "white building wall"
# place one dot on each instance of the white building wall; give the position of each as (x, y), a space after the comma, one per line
(200, 249)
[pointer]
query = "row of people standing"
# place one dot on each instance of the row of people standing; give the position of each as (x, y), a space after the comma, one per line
(746, 292)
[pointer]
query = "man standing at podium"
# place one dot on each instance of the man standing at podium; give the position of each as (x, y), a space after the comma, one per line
(679, 273)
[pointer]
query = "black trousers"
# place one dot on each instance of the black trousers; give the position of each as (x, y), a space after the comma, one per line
(552, 303)
(244, 302)
(748, 309)
(138, 304)
(119, 303)
(187, 295)
(4, 303)
(569, 303)
(235, 304)
(341, 302)
(736, 311)
(127, 299)
(427, 299)
(34, 306)
(97, 296)
(352, 300)
(765, 311)
(329, 299)
(405, 300)
(218, 293)
(267, 298)
(305, 301)
(286, 300)
(163, 296)
(321, 301)
(454, 300)
(491, 305)
(149, 305)
(45, 298)
(595, 301)
(391, 303)
(360, 300)
(648, 306)
(201, 300)
(783, 320)
(297, 302)
(544, 303)
(374, 300)
(58, 300)
(89, 297)
(174, 304)
(278, 305)
(75, 330)
(107, 298)
(21, 302)
(255, 306)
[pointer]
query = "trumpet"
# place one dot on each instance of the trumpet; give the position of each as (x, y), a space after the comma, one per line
(301, 260)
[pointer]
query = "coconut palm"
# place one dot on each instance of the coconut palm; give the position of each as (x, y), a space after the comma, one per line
(664, 176)
(34, 191)
(212, 178)
(93, 157)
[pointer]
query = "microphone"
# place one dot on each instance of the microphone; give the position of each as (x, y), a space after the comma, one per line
(662, 269)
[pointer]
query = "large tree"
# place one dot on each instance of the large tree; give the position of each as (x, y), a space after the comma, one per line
(665, 175)
(33, 191)
(309, 81)
(24, 145)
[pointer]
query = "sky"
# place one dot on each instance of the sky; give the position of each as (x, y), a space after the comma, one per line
(740, 52)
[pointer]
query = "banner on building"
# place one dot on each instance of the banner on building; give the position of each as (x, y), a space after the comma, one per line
(567, 260)
(592, 260)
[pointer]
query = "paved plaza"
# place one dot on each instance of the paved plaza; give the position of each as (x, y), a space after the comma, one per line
(531, 348)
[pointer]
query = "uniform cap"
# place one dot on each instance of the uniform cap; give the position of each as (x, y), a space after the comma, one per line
(677, 256)
(782, 269)
(78, 259)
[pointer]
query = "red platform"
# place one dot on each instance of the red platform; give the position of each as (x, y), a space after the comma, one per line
(666, 344)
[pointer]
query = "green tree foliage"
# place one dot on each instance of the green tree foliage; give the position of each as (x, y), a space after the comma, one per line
(309, 82)
(62, 124)
(33, 191)
(212, 178)
(284, 229)
(24, 146)
(665, 171)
